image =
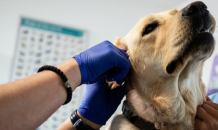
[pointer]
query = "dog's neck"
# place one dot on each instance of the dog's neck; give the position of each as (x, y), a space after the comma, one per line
(136, 120)
(155, 101)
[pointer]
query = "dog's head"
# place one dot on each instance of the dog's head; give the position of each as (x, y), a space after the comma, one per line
(165, 44)
(167, 51)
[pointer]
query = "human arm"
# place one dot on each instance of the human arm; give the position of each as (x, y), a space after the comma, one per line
(27, 103)
(207, 116)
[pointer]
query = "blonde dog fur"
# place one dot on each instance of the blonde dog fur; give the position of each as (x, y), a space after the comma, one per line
(169, 100)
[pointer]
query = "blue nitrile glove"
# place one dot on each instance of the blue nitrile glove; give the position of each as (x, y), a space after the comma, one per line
(100, 102)
(101, 60)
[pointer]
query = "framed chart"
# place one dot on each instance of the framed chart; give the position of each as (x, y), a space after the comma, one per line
(41, 43)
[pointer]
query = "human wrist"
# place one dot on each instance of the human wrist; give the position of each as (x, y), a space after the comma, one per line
(82, 69)
(71, 69)
(88, 122)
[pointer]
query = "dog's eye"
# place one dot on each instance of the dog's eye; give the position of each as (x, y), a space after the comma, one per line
(149, 28)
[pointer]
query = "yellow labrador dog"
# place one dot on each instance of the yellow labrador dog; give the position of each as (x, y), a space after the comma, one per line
(167, 52)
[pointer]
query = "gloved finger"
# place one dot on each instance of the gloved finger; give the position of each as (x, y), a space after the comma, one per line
(120, 75)
(97, 88)
(122, 64)
(118, 93)
(120, 81)
(123, 53)
(120, 51)
(119, 72)
(110, 74)
(124, 67)
(115, 97)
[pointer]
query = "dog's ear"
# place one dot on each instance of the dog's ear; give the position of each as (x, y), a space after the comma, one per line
(120, 43)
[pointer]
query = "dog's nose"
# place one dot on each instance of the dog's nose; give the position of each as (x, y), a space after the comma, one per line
(194, 8)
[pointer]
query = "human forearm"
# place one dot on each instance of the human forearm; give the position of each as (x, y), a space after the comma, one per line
(28, 102)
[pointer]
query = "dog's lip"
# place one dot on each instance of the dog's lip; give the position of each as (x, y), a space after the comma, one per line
(203, 29)
(205, 26)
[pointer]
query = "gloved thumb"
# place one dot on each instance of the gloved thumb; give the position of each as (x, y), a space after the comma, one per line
(117, 74)
(117, 94)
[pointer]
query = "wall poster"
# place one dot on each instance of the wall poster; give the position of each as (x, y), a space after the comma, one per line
(41, 43)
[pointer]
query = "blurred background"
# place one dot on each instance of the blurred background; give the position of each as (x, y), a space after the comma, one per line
(97, 20)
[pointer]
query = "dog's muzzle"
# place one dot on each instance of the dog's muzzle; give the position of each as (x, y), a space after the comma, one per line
(199, 15)
(200, 27)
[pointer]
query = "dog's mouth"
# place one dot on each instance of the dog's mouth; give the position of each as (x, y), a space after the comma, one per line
(204, 31)
(202, 40)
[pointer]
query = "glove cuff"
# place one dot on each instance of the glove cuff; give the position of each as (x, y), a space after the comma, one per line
(83, 70)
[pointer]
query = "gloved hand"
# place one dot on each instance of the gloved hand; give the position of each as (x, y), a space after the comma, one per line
(102, 60)
(100, 102)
